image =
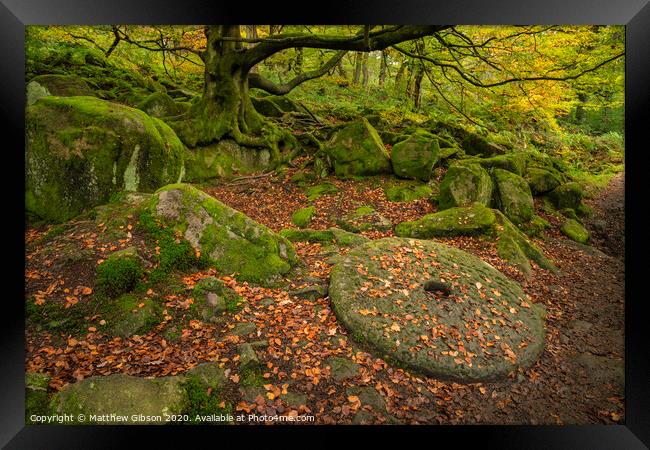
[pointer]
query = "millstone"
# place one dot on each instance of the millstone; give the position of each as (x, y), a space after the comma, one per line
(480, 329)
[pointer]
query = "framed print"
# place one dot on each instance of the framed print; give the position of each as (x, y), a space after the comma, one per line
(404, 218)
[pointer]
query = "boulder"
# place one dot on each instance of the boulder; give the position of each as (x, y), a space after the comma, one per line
(575, 231)
(567, 195)
(542, 180)
(513, 196)
(415, 157)
(81, 150)
(512, 162)
(159, 104)
(63, 85)
(364, 218)
(224, 159)
(397, 325)
(463, 185)
(128, 315)
(342, 368)
(471, 143)
(357, 149)
(473, 220)
(230, 240)
(135, 400)
(212, 297)
(407, 193)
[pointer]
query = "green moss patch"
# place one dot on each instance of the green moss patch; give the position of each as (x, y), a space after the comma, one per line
(575, 231)
(303, 216)
(471, 220)
(513, 196)
(314, 192)
(415, 157)
(119, 273)
(407, 193)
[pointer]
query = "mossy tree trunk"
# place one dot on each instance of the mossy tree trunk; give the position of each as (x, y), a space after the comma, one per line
(225, 109)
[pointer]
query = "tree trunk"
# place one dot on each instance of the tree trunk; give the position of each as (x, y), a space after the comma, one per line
(225, 109)
(341, 70)
(398, 79)
(580, 109)
(357, 68)
(364, 70)
(382, 68)
(417, 82)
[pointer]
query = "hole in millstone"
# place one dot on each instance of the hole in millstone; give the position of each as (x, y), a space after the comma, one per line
(437, 286)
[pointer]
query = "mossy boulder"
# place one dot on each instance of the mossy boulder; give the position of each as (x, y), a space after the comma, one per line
(567, 195)
(513, 196)
(223, 159)
(64, 85)
(227, 238)
(575, 231)
(476, 220)
(303, 216)
(514, 162)
(543, 180)
(357, 149)
(36, 397)
(415, 157)
(212, 298)
(159, 104)
(82, 150)
(473, 220)
(463, 185)
(407, 193)
(119, 273)
(364, 218)
(396, 320)
(276, 106)
(128, 315)
(471, 143)
(136, 400)
(332, 235)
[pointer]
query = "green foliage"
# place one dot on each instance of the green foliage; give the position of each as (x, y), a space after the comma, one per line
(118, 274)
(202, 400)
(303, 216)
(174, 253)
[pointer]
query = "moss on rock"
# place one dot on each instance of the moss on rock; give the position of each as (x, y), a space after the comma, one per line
(463, 185)
(119, 273)
(159, 104)
(542, 180)
(314, 192)
(415, 157)
(567, 195)
(228, 239)
(471, 220)
(127, 396)
(407, 193)
(81, 150)
(575, 231)
(357, 149)
(223, 159)
(212, 297)
(129, 314)
(303, 216)
(513, 196)
(64, 85)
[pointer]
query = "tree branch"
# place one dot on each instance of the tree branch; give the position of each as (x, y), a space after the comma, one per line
(477, 83)
(376, 40)
(255, 80)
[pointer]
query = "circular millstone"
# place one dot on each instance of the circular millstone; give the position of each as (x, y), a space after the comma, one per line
(481, 328)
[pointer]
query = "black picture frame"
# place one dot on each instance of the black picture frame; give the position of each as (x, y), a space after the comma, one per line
(16, 14)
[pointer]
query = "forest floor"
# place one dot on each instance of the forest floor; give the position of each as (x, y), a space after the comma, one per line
(579, 378)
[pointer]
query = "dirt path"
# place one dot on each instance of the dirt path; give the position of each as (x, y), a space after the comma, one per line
(607, 227)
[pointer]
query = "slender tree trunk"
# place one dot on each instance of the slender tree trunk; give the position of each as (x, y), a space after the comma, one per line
(580, 109)
(417, 82)
(341, 70)
(398, 79)
(297, 67)
(364, 70)
(357, 68)
(382, 68)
